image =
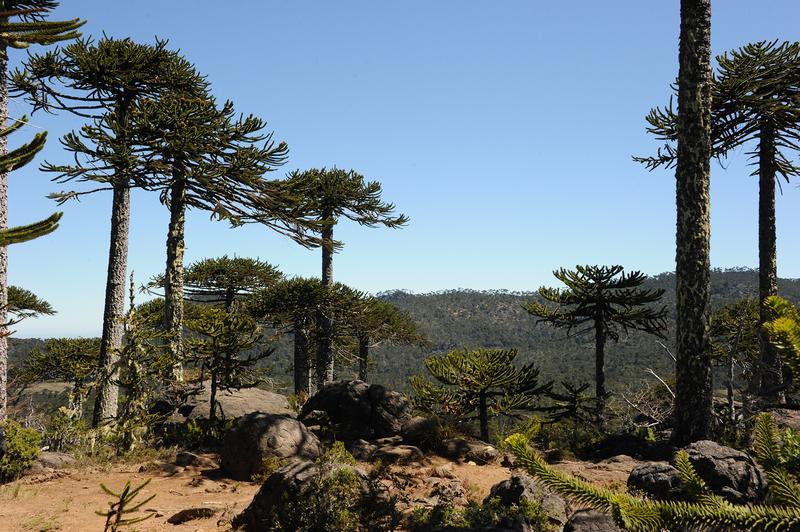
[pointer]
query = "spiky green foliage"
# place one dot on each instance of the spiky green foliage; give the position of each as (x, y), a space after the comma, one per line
(605, 300)
(478, 384)
(223, 279)
(120, 509)
(31, 28)
(227, 350)
(633, 513)
(23, 304)
(571, 405)
(22, 447)
(784, 330)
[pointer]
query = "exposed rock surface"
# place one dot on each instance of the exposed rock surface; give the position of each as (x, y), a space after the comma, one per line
(190, 514)
(732, 474)
(358, 410)
(422, 432)
(187, 459)
(402, 454)
(520, 486)
(658, 479)
(50, 460)
(256, 435)
(232, 404)
(590, 521)
(468, 451)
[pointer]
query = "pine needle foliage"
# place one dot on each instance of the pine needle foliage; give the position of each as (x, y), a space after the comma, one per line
(706, 511)
(31, 28)
(784, 330)
(478, 384)
(124, 506)
(603, 299)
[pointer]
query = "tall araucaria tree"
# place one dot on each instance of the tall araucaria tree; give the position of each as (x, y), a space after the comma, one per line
(694, 390)
(204, 157)
(756, 98)
(328, 195)
(102, 82)
(604, 300)
(22, 24)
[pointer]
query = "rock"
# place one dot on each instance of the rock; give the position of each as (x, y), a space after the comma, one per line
(256, 435)
(468, 451)
(231, 404)
(54, 460)
(403, 454)
(285, 485)
(358, 410)
(423, 432)
(657, 479)
(520, 486)
(590, 521)
(190, 514)
(361, 449)
(187, 459)
(729, 473)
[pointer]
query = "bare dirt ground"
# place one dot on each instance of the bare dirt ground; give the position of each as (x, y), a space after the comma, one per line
(66, 500)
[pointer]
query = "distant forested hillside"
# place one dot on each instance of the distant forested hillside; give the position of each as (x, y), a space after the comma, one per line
(466, 318)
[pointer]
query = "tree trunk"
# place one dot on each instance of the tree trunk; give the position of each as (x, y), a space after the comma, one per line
(770, 370)
(729, 386)
(483, 414)
(173, 279)
(3, 226)
(212, 408)
(599, 372)
(301, 372)
(105, 407)
(363, 357)
(692, 176)
(325, 362)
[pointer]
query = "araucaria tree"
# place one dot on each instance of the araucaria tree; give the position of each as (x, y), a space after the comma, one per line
(478, 384)
(203, 156)
(328, 195)
(21, 25)
(693, 394)
(102, 82)
(605, 300)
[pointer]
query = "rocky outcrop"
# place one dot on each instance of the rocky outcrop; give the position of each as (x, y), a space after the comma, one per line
(590, 521)
(357, 410)
(731, 474)
(254, 436)
(422, 432)
(522, 487)
(231, 404)
(468, 451)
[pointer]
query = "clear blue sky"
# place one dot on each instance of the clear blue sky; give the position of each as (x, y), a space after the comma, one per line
(503, 129)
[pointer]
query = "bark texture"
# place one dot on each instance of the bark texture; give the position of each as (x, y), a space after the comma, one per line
(105, 407)
(770, 370)
(693, 365)
(599, 371)
(363, 358)
(325, 362)
(3, 250)
(302, 375)
(173, 277)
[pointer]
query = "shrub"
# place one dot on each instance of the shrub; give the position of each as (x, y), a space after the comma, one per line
(269, 464)
(22, 450)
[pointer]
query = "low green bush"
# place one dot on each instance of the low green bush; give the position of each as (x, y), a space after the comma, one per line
(22, 449)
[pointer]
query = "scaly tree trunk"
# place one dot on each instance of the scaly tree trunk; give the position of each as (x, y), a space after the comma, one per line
(483, 415)
(770, 370)
(692, 176)
(173, 278)
(105, 407)
(301, 370)
(3, 226)
(599, 371)
(325, 360)
(363, 357)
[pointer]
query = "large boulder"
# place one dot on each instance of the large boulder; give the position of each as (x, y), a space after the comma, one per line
(590, 521)
(281, 496)
(254, 436)
(358, 410)
(732, 474)
(423, 432)
(231, 404)
(657, 479)
(513, 490)
(468, 450)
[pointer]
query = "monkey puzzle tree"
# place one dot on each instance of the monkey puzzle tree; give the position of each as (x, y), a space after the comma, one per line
(328, 195)
(607, 300)
(22, 24)
(221, 280)
(102, 82)
(478, 384)
(373, 322)
(755, 99)
(204, 157)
